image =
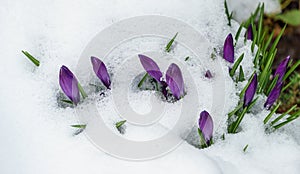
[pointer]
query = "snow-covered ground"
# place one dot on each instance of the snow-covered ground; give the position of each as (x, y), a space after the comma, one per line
(35, 132)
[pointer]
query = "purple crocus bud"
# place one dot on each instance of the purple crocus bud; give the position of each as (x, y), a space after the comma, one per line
(151, 67)
(174, 80)
(249, 33)
(250, 91)
(208, 74)
(273, 96)
(281, 69)
(69, 84)
(228, 50)
(206, 126)
(101, 71)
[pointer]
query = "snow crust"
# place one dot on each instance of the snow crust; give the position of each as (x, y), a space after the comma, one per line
(35, 132)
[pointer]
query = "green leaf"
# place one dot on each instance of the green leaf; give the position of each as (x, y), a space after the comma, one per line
(237, 35)
(233, 127)
(67, 101)
(120, 123)
(203, 143)
(291, 17)
(142, 80)
(260, 24)
(168, 47)
(229, 16)
(31, 58)
(81, 90)
(241, 74)
(236, 64)
(271, 113)
(187, 58)
(273, 83)
(79, 126)
(284, 114)
(245, 148)
(291, 70)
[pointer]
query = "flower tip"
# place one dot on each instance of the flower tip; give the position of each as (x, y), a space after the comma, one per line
(250, 33)
(69, 84)
(174, 80)
(228, 49)
(206, 125)
(101, 71)
(151, 67)
(250, 91)
(208, 74)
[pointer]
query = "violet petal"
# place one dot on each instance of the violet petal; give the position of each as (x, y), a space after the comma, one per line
(69, 84)
(273, 96)
(208, 74)
(281, 69)
(228, 50)
(249, 33)
(174, 80)
(250, 91)
(101, 71)
(151, 67)
(206, 125)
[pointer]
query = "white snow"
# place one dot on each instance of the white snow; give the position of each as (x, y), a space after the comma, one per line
(35, 132)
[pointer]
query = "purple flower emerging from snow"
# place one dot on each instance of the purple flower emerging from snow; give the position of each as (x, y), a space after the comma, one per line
(250, 91)
(206, 126)
(228, 50)
(281, 69)
(101, 71)
(151, 67)
(174, 80)
(69, 84)
(208, 74)
(273, 96)
(250, 33)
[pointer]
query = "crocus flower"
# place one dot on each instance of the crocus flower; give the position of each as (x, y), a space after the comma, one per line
(273, 96)
(69, 84)
(208, 74)
(228, 50)
(249, 33)
(175, 81)
(151, 67)
(250, 91)
(101, 71)
(281, 69)
(206, 126)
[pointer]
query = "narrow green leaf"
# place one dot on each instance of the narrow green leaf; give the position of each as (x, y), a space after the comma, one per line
(237, 35)
(202, 139)
(67, 101)
(273, 83)
(79, 126)
(235, 110)
(236, 64)
(274, 45)
(120, 123)
(81, 90)
(31, 58)
(241, 74)
(285, 122)
(271, 113)
(245, 148)
(267, 43)
(236, 124)
(284, 114)
(142, 80)
(168, 47)
(291, 70)
(229, 16)
(260, 23)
